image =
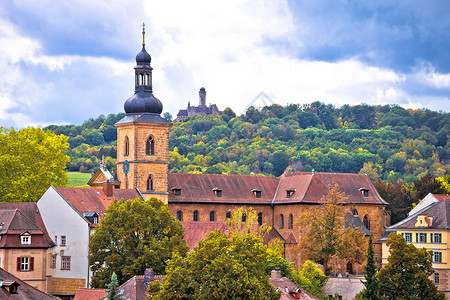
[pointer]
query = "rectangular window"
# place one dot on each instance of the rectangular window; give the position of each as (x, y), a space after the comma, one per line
(63, 240)
(26, 240)
(25, 264)
(437, 238)
(65, 263)
(436, 278)
(437, 257)
(422, 238)
(53, 265)
(408, 237)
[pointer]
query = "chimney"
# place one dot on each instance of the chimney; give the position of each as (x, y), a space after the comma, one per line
(108, 188)
(149, 276)
(275, 274)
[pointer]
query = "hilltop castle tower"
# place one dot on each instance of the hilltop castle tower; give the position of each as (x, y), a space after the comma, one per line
(143, 136)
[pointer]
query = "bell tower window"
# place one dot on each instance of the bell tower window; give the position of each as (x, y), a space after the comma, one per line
(127, 146)
(150, 183)
(150, 146)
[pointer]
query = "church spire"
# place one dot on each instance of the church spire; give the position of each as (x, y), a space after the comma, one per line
(143, 34)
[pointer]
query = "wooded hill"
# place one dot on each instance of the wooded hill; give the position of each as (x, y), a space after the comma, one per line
(382, 141)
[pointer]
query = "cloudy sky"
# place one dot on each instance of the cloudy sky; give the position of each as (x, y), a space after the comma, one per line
(63, 62)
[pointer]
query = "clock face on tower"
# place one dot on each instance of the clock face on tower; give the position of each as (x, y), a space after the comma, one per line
(126, 167)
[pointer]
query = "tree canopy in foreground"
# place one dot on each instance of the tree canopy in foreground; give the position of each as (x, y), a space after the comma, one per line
(134, 235)
(406, 276)
(30, 161)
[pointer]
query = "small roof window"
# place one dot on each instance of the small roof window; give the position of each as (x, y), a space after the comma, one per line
(290, 192)
(257, 193)
(364, 192)
(176, 191)
(217, 192)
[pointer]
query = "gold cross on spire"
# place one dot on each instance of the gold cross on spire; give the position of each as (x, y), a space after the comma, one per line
(143, 34)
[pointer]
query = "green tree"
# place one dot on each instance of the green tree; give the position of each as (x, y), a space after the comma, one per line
(371, 289)
(406, 274)
(322, 231)
(168, 116)
(113, 289)
(30, 161)
(134, 235)
(220, 267)
(311, 278)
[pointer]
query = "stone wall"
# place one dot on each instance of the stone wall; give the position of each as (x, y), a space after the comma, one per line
(57, 286)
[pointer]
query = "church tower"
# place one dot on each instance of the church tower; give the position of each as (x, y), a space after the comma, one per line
(143, 136)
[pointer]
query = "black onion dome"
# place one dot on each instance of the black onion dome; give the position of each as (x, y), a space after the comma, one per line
(143, 57)
(143, 102)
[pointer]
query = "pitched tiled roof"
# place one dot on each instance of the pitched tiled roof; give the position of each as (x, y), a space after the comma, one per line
(235, 188)
(439, 211)
(305, 187)
(310, 188)
(90, 294)
(87, 200)
(440, 197)
(291, 239)
(355, 222)
(286, 286)
(24, 290)
(18, 218)
(197, 231)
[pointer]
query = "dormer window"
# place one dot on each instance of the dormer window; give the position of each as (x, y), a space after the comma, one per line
(364, 192)
(176, 191)
(257, 193)
(217, 192)
(289, 193)
(91, 217)
(25, 239)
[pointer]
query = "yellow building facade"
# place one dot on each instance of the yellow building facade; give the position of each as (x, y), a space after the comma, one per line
(428, 228)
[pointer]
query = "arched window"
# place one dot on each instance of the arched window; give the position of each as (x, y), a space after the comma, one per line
(366, 222)
(260, 219)
(244, 217)
(150, 146)
(291, 221)
(195, 216)
(127, 146)
(179, 215)
(281, 221)
(150, 183)
(212, 216)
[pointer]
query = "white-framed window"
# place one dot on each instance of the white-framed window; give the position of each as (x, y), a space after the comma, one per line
(437, 257)
(437, 238)
(53, 264)
(25, 263)
(25, 239)
(95, 220)
(408, 237)
(436, 278)
(63, 240)
(422, 238)
(65, 263)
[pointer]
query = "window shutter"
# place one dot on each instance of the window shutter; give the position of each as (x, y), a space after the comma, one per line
(425, 236)
(403, 235)
(31, 263)
(417, 237)
(18, 264)
(431, 238)
(440, 238)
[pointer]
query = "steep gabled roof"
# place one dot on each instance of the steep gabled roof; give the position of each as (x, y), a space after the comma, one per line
(439, 211)
(355, 222)
(19, 218)
(440, 197)
(90, 294)
(87, 200)
(235, 188)
(101, 176)
(197, 231)
(310, 188)
(24, 290)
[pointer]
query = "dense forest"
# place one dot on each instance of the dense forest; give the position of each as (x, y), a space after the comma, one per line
(387, 142)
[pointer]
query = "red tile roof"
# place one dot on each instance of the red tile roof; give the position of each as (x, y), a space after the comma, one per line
(197, 231)
(235, 188)
(18, 218)
(306, 188)
(440, 197)
(88, 200)
(291, 239)
(90, 294)
(288, 289)
(24, 290)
